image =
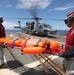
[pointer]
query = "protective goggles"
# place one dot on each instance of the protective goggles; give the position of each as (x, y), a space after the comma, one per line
(66, 21)
(71, 19)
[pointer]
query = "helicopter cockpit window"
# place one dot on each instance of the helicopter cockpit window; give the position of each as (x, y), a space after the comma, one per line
(49, 26)
(46, 26)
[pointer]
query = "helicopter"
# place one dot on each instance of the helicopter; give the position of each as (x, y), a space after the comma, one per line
(37, 28)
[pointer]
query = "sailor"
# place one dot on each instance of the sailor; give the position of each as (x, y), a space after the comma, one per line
(68, 55)
(2, 34)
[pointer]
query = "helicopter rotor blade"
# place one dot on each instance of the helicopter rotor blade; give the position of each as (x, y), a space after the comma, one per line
(35, 19)
(54, 19)
(33, 10)
(22, 18)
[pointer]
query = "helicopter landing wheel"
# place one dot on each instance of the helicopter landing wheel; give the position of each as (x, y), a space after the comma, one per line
(32, 32)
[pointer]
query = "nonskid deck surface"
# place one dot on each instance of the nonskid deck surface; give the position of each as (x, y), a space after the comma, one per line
(28, 64)
(59, 38)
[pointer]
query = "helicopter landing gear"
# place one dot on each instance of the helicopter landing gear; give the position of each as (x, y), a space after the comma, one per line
(32, 32)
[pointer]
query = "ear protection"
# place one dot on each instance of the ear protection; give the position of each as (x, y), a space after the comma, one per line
(71, 19)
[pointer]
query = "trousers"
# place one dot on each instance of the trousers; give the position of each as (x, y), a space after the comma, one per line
(68, 65)
(1, 56)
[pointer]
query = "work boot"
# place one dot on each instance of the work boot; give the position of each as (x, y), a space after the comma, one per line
(4, 65)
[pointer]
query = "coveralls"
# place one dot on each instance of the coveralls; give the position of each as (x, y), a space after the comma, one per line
(2, 34)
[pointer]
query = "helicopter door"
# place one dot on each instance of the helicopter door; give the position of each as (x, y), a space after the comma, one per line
(32, 27)
(41, 28)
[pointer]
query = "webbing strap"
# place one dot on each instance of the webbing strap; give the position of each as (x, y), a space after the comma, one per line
(12, 46)
(26, 41)
(24, 45)
(38, 42)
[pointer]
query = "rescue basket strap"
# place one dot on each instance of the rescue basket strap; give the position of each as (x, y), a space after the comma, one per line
(38, 42)
(12, 46)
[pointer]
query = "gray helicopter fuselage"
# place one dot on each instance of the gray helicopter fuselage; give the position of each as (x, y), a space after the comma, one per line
(39, 28)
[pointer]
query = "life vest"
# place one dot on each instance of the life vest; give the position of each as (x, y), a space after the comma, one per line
(2, 31)
(70, 39)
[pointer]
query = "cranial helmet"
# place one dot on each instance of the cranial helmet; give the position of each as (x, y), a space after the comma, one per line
(1, 19)
(70, 16)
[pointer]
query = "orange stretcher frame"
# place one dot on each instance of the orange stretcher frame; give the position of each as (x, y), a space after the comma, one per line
(30, 46)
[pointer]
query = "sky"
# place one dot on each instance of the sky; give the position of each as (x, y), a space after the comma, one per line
(10, 10)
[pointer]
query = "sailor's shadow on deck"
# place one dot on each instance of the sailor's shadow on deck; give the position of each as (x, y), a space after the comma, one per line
(29, 71)
(13, 64)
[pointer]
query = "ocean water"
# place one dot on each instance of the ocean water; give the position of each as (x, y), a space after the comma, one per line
(60, 32)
